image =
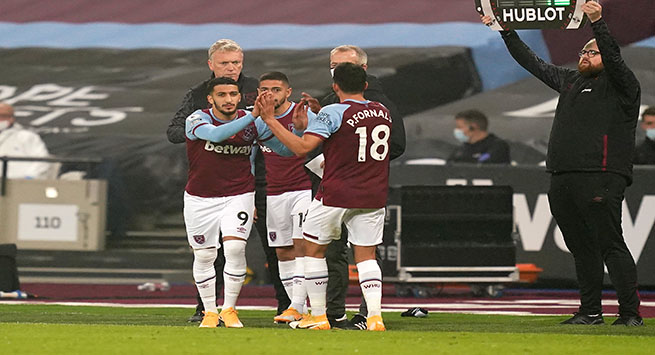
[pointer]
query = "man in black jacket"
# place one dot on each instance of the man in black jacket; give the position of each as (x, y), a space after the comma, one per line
(226, 60)
(337, 252)
(478, 146)
(590, 160)
(645, 151)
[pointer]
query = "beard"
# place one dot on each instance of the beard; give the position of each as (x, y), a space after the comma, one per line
(587, 70)
(228, 113)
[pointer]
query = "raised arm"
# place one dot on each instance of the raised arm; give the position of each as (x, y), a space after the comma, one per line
(550, 74)
(300, 146)
(198, 126)
(621, 77)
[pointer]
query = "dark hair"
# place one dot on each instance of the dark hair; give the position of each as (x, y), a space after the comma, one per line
(274, 75)
(220, 81)
(350, 77)
(650, 111)
(474, 116)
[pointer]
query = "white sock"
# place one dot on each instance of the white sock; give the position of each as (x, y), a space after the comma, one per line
(316, 279)
(287, 269)
(204, 275)
(370, 281)
(299, 299)
(234, 272)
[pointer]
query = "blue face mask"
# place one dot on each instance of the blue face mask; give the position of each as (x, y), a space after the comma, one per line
(460, 136)
(650, 133)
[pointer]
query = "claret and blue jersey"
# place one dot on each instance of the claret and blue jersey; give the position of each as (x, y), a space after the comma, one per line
(356, 148)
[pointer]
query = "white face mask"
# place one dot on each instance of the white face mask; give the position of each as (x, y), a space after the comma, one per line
(460, 136)
(4, 124)
(332, 72)
(650, 133)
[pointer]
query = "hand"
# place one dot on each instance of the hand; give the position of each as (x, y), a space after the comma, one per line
(314, 105)
(254, 216)
(593, 10)
(299, 117)
(256, 108)
(266, 106)
(487, 20)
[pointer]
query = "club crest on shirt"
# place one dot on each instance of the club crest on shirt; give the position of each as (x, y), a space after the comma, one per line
(200, 239)
(249, 133)
(272, 236)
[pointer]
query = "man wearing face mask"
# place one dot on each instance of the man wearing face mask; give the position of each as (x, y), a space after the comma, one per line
(477, 145)
(16, 141)
(645, 151)
(337, 252)
(589, 157)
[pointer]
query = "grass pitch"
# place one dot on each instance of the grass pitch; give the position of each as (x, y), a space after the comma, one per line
(53, 329)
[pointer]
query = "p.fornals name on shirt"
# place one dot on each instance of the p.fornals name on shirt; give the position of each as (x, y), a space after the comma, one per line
(368, 113)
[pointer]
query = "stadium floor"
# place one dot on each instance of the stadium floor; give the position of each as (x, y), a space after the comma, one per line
(444, 299)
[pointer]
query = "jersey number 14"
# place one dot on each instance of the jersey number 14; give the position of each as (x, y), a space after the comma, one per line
(380, 135)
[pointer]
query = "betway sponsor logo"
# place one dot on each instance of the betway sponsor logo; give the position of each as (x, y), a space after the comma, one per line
(319, 283)
(529, 14)
(228, 148)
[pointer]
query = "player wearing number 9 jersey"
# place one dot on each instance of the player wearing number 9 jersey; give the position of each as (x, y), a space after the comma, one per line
(355, 135)
(219, 195)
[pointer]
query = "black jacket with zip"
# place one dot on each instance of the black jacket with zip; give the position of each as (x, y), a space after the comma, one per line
(596, 116)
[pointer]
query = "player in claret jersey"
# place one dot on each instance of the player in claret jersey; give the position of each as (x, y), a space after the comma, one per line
(219, 195)
(355, 135)
(289, 192)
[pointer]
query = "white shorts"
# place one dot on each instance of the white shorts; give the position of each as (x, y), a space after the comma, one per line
(207, 217)
(323, 224)
(284, 216)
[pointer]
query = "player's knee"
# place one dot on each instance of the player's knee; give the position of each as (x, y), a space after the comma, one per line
(235, 255)
(205, 256)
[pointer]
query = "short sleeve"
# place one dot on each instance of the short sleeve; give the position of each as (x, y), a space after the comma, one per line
(327, 121)
(195, 120)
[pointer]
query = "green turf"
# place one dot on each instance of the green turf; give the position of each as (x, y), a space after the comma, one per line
(52, 329)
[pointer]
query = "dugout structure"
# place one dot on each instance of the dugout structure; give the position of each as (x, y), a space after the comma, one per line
(460, 234)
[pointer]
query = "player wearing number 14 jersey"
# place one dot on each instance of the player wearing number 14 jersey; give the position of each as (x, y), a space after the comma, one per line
(355, 136)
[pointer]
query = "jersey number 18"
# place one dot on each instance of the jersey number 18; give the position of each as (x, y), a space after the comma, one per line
(380, 135)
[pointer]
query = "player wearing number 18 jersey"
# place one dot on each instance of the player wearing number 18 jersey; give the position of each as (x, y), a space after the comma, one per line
(355, 135)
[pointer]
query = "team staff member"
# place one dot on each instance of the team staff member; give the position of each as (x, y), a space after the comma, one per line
(226, 60)
(337, 252)
(589, 157)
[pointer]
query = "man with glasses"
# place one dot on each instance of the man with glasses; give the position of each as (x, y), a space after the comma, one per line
(589, 158)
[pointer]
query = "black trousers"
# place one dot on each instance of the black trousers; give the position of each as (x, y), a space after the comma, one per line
(281, 296)
(587, 208)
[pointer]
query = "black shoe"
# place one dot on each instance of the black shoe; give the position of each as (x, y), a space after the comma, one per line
(585, 319)
(358, 321)
(634, 321)
(196, 317)
(415, 312)
(341, 323)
